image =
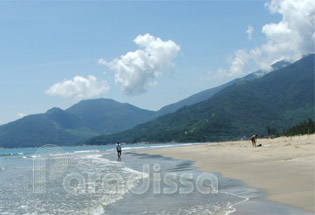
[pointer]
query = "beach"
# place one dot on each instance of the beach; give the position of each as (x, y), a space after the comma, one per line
(91, 180)
(283, 168)
(212, 178)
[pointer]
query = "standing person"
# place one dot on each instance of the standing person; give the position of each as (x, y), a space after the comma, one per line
(253, 138)
(118, 148)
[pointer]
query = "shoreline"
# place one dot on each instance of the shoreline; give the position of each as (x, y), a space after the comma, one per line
(283, 168)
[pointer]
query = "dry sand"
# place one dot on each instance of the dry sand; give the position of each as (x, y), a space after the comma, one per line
(284, 168)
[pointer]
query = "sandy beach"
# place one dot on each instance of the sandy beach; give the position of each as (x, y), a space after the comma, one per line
(283, 168)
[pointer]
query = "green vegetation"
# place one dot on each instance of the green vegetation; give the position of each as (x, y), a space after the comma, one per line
(207, 94)
(107, 116)
(279, 99)
(35, 130)
(73, 126)
(305, 127)
(272, 132)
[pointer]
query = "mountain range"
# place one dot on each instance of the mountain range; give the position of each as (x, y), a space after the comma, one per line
(207, 94)
(233, 110)
(279, 99)
(78, 123)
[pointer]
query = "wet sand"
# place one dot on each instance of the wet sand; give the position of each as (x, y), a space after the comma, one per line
(283, 168)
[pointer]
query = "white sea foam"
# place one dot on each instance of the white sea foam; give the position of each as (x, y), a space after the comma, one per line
(116, 191)
(86, 151)
(93, 203)
(98, 210)
(92, 156)
(141, 174)
(73, 153)
(231, 207)
(133, 148)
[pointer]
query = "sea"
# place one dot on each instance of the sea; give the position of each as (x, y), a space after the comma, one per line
(91, 180)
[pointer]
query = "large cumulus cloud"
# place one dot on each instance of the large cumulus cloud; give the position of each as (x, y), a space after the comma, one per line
(290, 39)
(135, 70)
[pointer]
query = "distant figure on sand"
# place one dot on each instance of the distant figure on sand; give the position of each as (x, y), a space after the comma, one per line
(118, 148)
(253, 138)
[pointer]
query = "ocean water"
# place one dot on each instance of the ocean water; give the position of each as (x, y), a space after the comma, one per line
(91, 180)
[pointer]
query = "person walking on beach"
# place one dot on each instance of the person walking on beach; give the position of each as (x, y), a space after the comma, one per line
(118, 148)
(253, 138)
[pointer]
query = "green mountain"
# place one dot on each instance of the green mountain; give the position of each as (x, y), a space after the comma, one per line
(207, 94)
(53, 127)
(107, 116)
(279, 99)
(72, 126)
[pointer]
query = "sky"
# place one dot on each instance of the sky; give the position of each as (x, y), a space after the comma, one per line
(146, 53)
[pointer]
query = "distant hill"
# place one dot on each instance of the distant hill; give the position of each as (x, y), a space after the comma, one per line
(107, 116)
(279, 99)
(72, 126)
(207, 94)
(53, 127)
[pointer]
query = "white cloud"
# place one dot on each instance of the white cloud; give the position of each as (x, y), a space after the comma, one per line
(289, 39)
(79, 88)
(249, 31)
(238, 63)
(21, 115)
(135, 70)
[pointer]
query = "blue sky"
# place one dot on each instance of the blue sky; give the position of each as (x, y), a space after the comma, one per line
(55, 53)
